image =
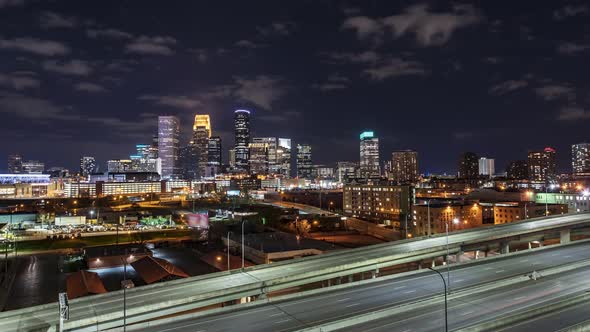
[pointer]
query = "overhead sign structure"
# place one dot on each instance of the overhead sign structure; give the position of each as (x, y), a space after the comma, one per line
(64, 309)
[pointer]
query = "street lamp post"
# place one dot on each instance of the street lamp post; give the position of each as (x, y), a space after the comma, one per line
(455, 221)
(428, 210)
(228, 264)
(445, 285)
(243, 243)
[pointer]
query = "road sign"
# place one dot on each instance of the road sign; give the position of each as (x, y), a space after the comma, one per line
(64, 307)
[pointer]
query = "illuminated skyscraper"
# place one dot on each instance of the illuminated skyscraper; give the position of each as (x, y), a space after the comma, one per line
(168, 145)
(542, 166)
(282, 164)
(87, 165)
(369, 155)
(242, 139)
(15, 164)
(404, 167)
(581, 159)
(260, 154)
(304, 162)
(201, 134)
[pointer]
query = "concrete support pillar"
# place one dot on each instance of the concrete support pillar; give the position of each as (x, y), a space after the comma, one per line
(419, 265)
(458, 257)
(564, 236)
(350, 279)
(362, 275)
(433, 263)
(477, 254)
(373, 274)
(530, 245)
(504, 247)
(338, 280)
(262, 296)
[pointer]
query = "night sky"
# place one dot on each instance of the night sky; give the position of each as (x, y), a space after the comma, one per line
(494, 77)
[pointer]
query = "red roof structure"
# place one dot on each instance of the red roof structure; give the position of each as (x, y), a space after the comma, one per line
(152, 269)
(84, 283)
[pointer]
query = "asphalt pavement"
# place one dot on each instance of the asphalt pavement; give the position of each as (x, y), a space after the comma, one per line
(333, 305)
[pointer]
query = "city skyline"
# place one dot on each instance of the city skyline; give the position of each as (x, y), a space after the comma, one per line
(91, 79)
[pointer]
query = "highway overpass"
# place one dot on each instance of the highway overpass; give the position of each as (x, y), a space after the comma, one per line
(484, 291)
(153, 301)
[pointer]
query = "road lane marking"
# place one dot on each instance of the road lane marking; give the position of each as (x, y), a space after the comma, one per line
(524, 260)
(352, 305)
(410, 291)
(279, 314)
(467, 313)
(399, 287)
(458, 280)
(500, 271)
(282, 321)
(519, 298)
(342, 300)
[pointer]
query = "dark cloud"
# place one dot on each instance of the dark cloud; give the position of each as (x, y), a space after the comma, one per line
(71, 67)
(37, 46)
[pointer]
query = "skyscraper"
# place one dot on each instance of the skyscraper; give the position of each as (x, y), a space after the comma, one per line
(87, 165)
(260, 154)
(189, 162)
(542, 165)
(168, 145)
(283, 159)
(15, 164)
(468, 166)
(517, 170)
(346, 170)
(33, 167)
(242, 139)
(404, 166)
(486, 167)
(581, 159)
(304, 162)
(201, 134)
(369, 155)
(213, 156)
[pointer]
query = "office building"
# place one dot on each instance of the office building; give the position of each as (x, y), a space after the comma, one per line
(33, 167)
(214, 151)
(581, 159)
(282, 165)
(201, 135)
(145, 160)
(542, 165)
(404, 167)
(369, 155)
(304, 161)
(468, 166)
(15, 164)
(87, 166)
(378, 202)
(262, 154)
(153, 151)
(457, 215)
(242, 139)
(486, 167)
(120, 166)
(323, 172)
(189, 162)
(169, 145)
(346, 171)
(517, 170)
(232, 158)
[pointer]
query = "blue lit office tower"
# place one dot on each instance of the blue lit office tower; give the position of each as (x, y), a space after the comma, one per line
(87, 165)
(369, 155)
(242, 139)
(213, 156)
(168, 145)
(304, 162)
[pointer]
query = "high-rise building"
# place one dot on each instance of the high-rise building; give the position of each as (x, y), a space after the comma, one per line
(369, 155)
(242, 139)
(282, 165)
(260, 154)
(120, 166)
(404, 167)
(486, 166)
(15, 164)
(304, 162)
(214, 159)
(169, 145)
(154, 148)
(517, 170)
(201, 135)
(189, 162)
(87, 165)
(346, 171)
(33, 167)
(232, 158)
(143, 159)
(581, 159)
(542, 165)
(468, 166)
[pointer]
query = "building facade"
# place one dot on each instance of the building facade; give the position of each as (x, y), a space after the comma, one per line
(517, 170)
(404, 167)
(581, 159)
(542, 165)
(377, 202)
(468, 166)
(15, 164)
(304, 161)
(262, 151)
(242, 139)
(456, 215)
(486, 167)
(282, 165)
(369, 155)
(201, 135)
(87, 165)
(346, 171)
(169, 145)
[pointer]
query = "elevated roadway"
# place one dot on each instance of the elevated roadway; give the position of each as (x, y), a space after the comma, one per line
(156, 300)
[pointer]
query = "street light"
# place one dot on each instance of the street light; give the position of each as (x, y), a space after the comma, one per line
(228, 264)
(445, 285)
(243, 221)
(428, 210)
(456, 222)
